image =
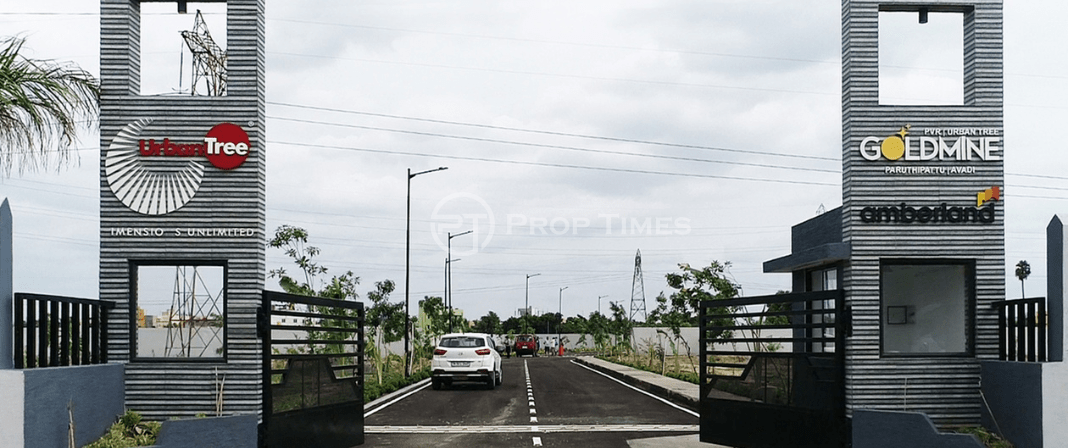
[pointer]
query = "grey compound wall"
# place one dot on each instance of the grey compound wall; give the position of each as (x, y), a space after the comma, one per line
(228, 205)
(946, 388)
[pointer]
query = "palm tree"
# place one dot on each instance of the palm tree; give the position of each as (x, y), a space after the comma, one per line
(42, 103)
(1023, 269)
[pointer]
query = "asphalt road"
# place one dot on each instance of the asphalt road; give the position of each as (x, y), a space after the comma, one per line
(543, 402)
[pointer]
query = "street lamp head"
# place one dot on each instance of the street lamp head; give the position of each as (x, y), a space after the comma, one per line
(533, 275)
(451, 235)
(411, 174)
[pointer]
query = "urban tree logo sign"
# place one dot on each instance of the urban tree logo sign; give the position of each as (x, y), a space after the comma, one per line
(158, 177)
(983, 213)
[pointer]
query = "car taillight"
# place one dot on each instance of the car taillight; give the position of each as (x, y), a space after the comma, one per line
(438, 352)
(482, 351)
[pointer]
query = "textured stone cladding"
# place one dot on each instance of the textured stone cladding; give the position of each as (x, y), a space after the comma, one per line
(946, 388)
(226, 199)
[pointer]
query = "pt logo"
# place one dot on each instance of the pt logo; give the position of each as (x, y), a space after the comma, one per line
(154, 177)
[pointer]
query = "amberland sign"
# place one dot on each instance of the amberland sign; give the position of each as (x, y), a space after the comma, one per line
(143, 173)
(982, 213)
(934, 144)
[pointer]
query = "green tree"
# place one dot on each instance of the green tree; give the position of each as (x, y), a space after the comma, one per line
(621, 327)
(294, 242)
(42, 103)
(693, 286)
(490, 324)
(1023, 270)
(437, 316)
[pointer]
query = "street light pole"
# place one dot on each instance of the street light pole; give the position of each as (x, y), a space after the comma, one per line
(407, 273)
(599, 303)
(526, 298)
(448, 273)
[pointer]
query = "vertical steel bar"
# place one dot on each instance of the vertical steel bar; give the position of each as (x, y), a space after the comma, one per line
(359, 361)
(1043, 331)
(103, 329)
(64, 334)
(31, 333)
(42, 333)
(76, 334)
(1010, 330)
(53, 333)
(87, 340)
(1021, 332)
(1032, 332)
(20, 333)
(702, 352)
(94, 348)
(1003, 353)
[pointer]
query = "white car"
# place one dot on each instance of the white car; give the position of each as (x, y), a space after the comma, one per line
(466, 357)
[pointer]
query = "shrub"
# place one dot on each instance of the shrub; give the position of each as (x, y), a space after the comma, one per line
(128, 432)
(989, 439)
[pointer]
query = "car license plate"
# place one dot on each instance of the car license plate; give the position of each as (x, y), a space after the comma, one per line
(460, 363)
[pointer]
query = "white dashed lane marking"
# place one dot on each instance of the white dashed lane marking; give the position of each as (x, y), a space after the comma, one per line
(530, 401)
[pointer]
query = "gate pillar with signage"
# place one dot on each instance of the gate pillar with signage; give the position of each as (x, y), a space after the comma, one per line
(923, 219)
(182, 219)
(918, 245)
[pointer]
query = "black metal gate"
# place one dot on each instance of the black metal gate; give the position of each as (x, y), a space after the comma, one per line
(312, 371)
(772, 371)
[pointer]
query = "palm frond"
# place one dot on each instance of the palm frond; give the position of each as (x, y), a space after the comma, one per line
(42, 105)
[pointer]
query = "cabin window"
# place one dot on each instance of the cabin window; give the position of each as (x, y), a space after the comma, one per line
(926, 308)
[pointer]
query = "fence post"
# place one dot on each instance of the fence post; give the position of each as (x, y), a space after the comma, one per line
(1055, 275)
(7, 290)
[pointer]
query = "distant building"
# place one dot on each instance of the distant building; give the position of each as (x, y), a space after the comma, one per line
(529, 311)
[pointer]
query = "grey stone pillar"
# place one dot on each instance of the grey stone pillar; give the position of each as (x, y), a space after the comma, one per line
(7, 290)
(1055, 273)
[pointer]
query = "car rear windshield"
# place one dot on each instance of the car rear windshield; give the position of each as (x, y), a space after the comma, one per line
(463, 342)
(525, 338)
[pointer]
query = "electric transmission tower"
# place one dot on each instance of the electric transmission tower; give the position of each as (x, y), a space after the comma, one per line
(209, 60)
(195, 318)
(637, 290)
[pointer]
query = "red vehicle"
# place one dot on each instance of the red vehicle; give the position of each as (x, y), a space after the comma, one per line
(526, 344)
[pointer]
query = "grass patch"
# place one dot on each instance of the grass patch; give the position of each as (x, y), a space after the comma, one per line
(391, 382)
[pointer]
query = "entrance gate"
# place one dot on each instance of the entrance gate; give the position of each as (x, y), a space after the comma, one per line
(772, 371)
(312, 371)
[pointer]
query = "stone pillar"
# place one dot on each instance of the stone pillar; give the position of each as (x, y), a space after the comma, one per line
(1055, 276)
(7, 290)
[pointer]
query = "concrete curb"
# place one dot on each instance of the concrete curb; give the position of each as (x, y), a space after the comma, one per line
(385, 398)
(680, 399)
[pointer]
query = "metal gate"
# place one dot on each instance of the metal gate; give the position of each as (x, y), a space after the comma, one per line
(312, 371)
(772, 371)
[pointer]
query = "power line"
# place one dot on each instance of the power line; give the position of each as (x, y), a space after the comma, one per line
(553, 165)
(541, 145)
(564, 134)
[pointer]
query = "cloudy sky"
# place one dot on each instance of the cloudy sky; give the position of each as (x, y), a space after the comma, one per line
(575, 134)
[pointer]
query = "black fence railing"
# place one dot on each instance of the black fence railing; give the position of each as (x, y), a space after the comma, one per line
(313, 371)
(778, 359)
(52, 331)
(1022, 329)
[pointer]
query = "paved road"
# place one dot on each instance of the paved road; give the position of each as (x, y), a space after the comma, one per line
(543, 402)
